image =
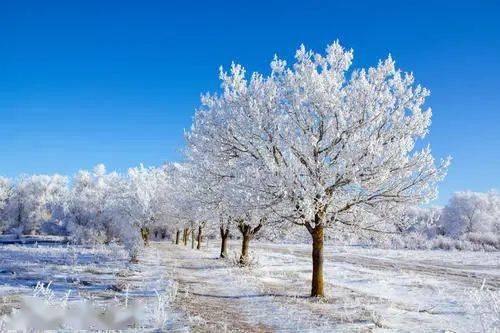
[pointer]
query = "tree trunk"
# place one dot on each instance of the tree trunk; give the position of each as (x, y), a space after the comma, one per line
(244, 249)
(223, 247)
(145, 235)
(185, 236)
(248, 233)
(317, 286)
(177, 237)
(198, 246)
(192, 238)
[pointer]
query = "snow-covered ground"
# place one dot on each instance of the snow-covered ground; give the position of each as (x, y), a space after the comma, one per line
(176, 288)
(368, 289)
(400, 290)
(100, 280)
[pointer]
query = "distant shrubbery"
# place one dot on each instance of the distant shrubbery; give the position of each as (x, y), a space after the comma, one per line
(466, 242)
(469, 221)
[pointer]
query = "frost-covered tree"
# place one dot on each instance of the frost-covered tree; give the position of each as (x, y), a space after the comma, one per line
(190, 206)
(149, 189)
(207, 194)
(89, 206)
(323, 148)
(86, 206)
(6, 194)
(224, 190)
(101, 209)
(424, 220)
(468, 212)
(36, 199)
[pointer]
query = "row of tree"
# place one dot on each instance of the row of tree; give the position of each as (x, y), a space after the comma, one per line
(314, 145)
(92, 208)
(98, 207)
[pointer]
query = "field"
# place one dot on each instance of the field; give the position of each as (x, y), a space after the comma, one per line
(179, 289)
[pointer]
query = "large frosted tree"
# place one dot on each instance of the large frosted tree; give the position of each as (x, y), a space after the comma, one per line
(323, 144)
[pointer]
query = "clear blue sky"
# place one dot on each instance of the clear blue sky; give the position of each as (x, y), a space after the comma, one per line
(117, 82)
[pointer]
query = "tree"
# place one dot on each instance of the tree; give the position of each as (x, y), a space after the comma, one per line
(468, 212)
(225, 187)
(199, 236)
(104, 207)
(149, 192)
(190, 205)
(87, 217)
(179, 205)
(209, 195)
(6, 195)
(99, 210)
(224, 228)
(6, 191)
(424, 220)
(35, 200)
(177, 236)
(321, 149)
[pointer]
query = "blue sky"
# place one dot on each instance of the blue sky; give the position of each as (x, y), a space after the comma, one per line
(117, 82)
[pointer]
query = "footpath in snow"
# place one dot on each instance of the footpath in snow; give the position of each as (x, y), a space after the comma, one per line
(217, 296)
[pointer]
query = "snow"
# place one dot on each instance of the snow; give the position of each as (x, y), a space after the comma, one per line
(102, 277)
(400, 287)
(387, 290)
(176, 288)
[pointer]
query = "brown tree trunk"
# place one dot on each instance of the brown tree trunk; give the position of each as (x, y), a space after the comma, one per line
(177, 236)
(198, 238)
(248, 234)
(223, 247)
(244, 249)
(192, 238)
(145, 235)
(185, 236)
(317, 285)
